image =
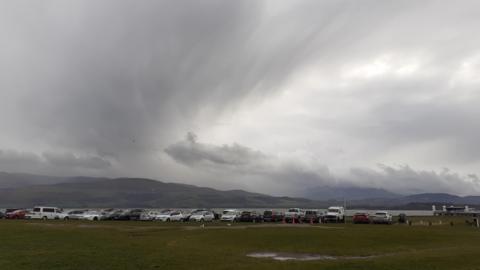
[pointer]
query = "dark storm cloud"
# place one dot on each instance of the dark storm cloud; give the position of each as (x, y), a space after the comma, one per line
(191, 152)
(252, 168)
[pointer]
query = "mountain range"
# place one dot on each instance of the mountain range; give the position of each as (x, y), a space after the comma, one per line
(27, 190)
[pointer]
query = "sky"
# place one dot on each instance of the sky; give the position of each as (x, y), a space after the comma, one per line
(268, 96)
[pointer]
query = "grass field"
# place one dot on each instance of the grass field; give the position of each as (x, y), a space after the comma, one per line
(152, 245)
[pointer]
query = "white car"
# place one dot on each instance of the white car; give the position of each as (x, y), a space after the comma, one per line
(202, 216)
(382, 217)
(47, 212)
(177, 216)
(230, 215)
(91, 215)
(335, 214)
(171, 216)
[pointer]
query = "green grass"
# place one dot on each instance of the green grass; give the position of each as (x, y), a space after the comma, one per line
(152, 245)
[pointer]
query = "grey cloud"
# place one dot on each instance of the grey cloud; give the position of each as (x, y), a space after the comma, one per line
(406, 180)
(243, 164)
(192, 153)
(73, 161)
(253, 169)
(114, 82)
(54, 163)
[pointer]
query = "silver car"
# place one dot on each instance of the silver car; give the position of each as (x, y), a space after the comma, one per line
(382, 217)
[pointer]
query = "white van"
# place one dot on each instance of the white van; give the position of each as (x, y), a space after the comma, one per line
(46, 212)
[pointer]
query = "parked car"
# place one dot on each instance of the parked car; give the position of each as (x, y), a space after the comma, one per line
(216, 215)
(148, 215)
(171, 216)
(402, 218)
(46, 212)
(113, 215)
(75, 214)
(17, 214)
(195, 211)
(2, 215)
(202, 216)
(133, 214)
(92, 215)
(250, 216)
(273, 216)
(335, 214)
(230, 215)
(361, 217)
(382, 217)
(294, 215)
(311, 216)
(163, 215)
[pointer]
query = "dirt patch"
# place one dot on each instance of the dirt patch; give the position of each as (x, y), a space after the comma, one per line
(284, 256)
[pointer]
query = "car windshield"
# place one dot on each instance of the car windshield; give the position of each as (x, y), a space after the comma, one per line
(293, 210)
(228, 212)
(380, 214)
(333, 210)
(311, 212)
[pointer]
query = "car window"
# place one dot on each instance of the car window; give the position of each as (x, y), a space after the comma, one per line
(36, 209)
(49, 210)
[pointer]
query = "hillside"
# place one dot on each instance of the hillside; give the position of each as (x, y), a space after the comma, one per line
(137, 192)
(26, 190)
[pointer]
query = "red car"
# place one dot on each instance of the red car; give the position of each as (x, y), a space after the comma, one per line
(361, 217)
(17, 214)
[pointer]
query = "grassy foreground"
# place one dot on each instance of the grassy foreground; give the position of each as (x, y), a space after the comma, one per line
(152, 245)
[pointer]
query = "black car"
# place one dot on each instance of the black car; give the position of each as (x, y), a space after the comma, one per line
(112, 215)
(402, 218)
(133, 214)
(250, 216)
(273, 216)
(312, 216)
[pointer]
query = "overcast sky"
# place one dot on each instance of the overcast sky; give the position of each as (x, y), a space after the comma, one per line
(269, 96)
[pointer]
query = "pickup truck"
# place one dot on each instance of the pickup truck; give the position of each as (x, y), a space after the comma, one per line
(335, 214)
(294, 215)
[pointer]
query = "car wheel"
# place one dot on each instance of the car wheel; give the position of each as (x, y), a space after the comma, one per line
(65, 218)
(95, 218)
(202, 220)
(168, 220)
(44, 218)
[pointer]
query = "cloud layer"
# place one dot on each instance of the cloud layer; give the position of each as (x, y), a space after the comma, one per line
(283, 94)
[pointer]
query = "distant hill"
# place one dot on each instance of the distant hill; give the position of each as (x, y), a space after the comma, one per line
(26, 190)
(137, 192)
(349, 193)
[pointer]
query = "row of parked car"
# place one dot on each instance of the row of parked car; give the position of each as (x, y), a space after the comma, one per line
(292, 215)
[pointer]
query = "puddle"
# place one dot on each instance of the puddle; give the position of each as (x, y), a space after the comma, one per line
(279, 256)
